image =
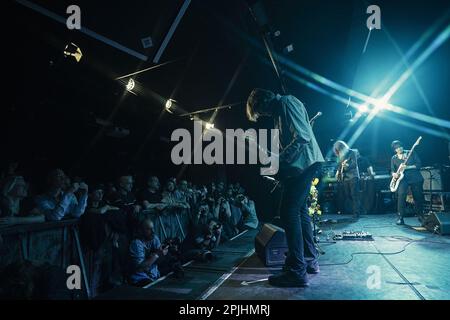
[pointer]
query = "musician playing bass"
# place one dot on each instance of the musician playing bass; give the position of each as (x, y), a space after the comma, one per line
(412, 178)
(348, 174)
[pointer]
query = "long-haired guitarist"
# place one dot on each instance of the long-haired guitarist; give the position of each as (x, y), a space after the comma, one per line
(300, 158)
(412, 178)
(348, 174)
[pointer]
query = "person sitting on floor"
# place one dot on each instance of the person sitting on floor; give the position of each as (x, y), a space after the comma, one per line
(144, 252)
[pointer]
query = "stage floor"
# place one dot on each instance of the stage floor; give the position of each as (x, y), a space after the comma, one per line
(411, 265)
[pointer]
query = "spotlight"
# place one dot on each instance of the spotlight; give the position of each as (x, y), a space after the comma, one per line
(363, 108)
(169, 104)
(380, 105)
(209, 125)
(72, 50)
(289, 48)
(130, 85)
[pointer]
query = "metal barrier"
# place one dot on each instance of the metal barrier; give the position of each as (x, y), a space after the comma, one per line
(58, 242)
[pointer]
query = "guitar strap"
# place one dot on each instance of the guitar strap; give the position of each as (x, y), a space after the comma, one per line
(357, 164)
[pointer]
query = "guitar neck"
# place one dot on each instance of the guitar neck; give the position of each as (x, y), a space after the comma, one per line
(412, 150)
(409, 154)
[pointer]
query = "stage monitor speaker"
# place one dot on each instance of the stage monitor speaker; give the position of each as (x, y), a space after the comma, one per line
(438, 222)
(271, 246)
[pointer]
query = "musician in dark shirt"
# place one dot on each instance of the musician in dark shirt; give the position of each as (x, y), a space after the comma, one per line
(348, 173)
(412, 178)
(300, 159)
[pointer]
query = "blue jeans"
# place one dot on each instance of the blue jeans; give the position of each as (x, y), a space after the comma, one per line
(297, 222)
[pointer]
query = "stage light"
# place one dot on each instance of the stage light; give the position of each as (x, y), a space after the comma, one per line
(379, 105)
(363, 108)
(130, 85)
(209, 125)
(169, 105)
(72, 50)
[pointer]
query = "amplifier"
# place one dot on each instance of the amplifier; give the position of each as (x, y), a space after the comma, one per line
(438, 222)
(436, 201)
(271, 246)
(431, 179)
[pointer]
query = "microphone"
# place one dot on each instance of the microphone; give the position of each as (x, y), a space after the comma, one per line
(315, 117)
(275, 182)
(270, 178)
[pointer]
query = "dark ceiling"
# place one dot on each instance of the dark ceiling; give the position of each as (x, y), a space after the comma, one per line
(50, 120)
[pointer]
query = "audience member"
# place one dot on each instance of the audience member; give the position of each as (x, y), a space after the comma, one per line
(222, 212)
(12, 211)
(115, 227)
(144, 252)
(187, 194)
(200, 240)
(249, 216)
(172, 198)
(123, 196)
(151, 197)
(58, 203)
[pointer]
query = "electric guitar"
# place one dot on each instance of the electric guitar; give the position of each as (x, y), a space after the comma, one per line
(340, 173)
(293, 154)
(396, 179)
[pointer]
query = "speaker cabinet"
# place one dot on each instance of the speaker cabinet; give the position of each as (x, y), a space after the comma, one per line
(438, 222)
(431, 179)
(271, 246)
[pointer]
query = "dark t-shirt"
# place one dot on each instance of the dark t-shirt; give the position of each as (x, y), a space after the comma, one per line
(352, 171)
(151, 197)
(298, 146)
(411, 175)
(121, 200)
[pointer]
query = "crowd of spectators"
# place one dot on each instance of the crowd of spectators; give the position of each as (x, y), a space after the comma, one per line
(129, 220)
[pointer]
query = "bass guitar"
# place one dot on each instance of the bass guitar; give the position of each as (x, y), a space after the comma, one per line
(340, 173)
(397, 178)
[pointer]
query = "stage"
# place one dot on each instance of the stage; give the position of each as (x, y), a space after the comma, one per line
(401, 263)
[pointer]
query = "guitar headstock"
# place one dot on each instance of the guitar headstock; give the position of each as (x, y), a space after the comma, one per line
(417, 141)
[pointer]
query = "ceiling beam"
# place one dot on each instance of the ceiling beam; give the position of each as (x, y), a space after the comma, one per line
(84, 30)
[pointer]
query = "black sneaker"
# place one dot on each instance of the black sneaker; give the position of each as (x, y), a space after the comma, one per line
(400, 222)
(288, 280)
(313, 267)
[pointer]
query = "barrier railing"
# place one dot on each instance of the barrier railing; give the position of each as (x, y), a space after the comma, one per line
(58, 242)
